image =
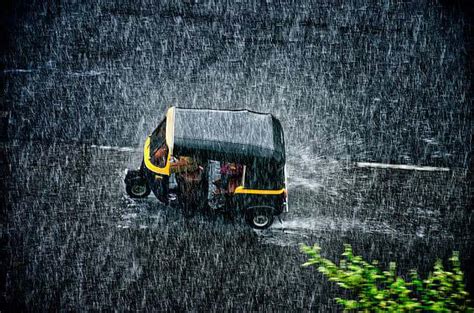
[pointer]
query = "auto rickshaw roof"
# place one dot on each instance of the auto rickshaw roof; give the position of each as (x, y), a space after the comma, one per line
(239, 133)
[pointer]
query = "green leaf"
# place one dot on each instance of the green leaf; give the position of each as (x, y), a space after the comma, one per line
(378, 290)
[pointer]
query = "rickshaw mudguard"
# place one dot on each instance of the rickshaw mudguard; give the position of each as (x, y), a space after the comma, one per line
(135, 175)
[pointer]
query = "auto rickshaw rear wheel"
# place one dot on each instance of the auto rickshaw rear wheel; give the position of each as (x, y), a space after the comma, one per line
(138, 188)
(259, 217)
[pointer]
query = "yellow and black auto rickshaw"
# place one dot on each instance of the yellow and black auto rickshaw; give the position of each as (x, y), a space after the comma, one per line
(218, 159)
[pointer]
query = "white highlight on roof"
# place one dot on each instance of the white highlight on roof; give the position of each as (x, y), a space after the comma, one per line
(125, 149)
(402, 167)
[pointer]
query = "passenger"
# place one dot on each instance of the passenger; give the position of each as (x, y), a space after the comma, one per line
(183, 164)
(231, 177)
(160, 155)
(190, 176)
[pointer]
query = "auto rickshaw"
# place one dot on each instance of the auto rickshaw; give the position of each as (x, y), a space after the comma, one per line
(248, 147)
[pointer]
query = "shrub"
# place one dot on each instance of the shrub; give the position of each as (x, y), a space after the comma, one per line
(378, 290)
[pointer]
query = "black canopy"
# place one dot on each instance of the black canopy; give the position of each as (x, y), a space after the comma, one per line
(228, 134)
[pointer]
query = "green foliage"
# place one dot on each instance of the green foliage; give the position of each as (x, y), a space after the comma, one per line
(384, 291)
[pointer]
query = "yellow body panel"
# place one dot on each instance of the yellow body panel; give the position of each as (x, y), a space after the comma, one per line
(155, 169)
(242, 190)
(169, 141)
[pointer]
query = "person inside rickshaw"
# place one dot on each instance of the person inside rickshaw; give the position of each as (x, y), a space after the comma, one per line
(185, 167)
(231, 178)
(191, 177)
(160, 155)
(187, 171)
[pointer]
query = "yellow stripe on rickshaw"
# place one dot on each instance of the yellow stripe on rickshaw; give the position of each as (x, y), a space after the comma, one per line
(242, 190)
(155, 169)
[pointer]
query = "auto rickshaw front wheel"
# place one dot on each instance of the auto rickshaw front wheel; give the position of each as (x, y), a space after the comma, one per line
(137, 188)
(259, 217)
(136, 184)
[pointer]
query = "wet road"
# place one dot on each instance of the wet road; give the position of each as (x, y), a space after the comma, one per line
(357, 81)
(76, 241)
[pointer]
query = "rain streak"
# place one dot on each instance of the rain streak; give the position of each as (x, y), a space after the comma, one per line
(374, 102)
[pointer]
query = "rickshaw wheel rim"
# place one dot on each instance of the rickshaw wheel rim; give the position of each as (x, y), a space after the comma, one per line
(139, 190)
(260, 220)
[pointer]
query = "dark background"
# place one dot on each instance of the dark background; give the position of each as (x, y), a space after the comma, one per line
(350, 81)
